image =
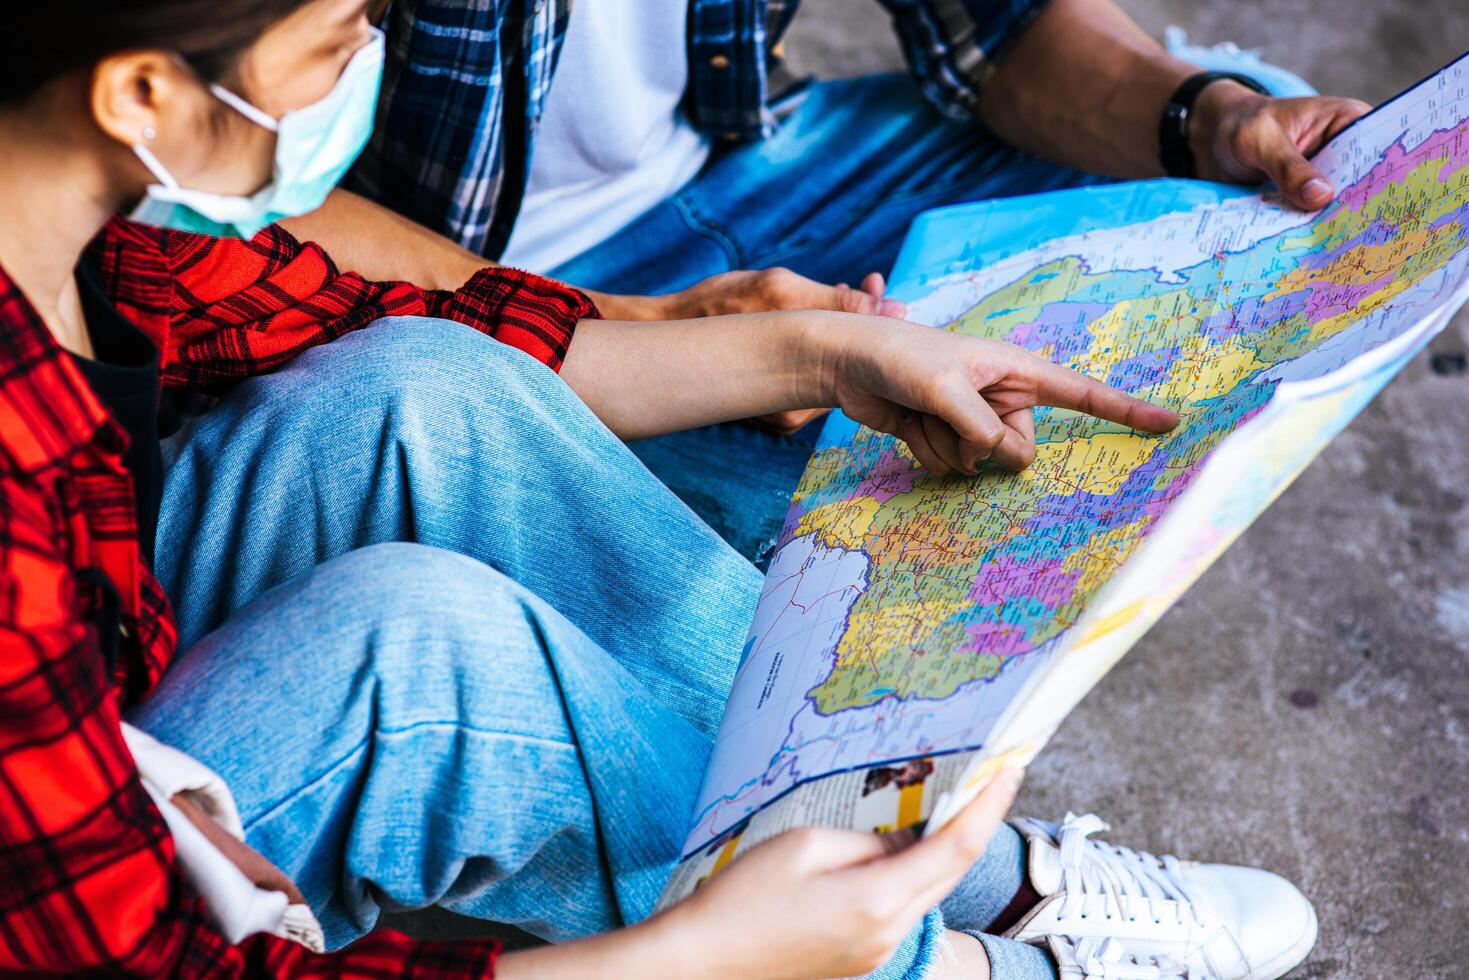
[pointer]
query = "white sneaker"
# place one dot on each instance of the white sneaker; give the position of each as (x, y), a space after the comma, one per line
(1108, 959)
(1226, 922)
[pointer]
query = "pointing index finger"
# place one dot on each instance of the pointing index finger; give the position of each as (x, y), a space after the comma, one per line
(1065, 388)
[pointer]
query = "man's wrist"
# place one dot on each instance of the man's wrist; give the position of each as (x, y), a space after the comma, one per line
(1215, 106)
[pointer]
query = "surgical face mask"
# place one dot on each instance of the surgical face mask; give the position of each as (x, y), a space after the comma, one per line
(314, 148)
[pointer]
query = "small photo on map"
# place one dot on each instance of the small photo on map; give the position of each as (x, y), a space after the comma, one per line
(911, 773)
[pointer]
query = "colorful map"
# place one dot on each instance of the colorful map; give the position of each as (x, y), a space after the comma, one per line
(907, 617)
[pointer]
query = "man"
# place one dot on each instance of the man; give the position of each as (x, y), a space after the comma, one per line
(634, 149)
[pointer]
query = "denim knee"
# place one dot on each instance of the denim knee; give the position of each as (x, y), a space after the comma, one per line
(433, 615)
(414, 366)
(379, 640)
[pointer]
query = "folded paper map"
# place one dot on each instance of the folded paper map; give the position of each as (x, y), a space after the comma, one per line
(915, 632)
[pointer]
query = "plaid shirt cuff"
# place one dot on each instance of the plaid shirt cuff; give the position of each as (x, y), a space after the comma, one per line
(529, 312)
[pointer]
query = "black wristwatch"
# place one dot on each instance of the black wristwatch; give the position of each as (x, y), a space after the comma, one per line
(1173, 150)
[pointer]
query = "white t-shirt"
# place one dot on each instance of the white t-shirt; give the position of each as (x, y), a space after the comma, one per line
(612, 141)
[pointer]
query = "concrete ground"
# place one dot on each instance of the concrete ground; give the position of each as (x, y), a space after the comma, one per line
(1305, 707)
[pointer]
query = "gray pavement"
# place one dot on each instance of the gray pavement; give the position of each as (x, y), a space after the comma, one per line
(1305, 707)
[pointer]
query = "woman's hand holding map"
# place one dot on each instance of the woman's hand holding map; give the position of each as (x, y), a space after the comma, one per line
(827, 902)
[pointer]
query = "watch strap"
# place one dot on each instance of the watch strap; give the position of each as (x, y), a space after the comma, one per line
(1173, 149)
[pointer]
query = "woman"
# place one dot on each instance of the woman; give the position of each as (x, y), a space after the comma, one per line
(498, 694)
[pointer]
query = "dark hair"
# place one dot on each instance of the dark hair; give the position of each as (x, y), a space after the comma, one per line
(42, 41)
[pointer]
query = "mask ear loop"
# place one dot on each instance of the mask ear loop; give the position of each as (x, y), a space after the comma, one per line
(250, 112)
(256, 116)
(155, 166)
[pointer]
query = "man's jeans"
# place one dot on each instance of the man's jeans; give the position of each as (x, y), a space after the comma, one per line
(829, 196)
(449, 642)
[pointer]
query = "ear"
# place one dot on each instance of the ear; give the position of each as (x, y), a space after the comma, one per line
(132, 93)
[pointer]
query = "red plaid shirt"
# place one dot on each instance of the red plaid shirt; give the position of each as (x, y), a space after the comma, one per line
(88, 879)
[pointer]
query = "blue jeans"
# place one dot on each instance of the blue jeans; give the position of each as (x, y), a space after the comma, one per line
(450, 643)
(829, 196)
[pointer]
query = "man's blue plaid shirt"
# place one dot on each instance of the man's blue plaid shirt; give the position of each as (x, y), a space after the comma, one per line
(467, 80)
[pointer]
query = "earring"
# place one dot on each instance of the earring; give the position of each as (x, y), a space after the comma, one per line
(148, 133)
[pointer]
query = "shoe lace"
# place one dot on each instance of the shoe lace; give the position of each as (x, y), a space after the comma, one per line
(1108, 959)
(1128, 881)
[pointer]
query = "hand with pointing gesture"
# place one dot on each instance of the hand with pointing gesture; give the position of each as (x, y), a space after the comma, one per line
(958, 401)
